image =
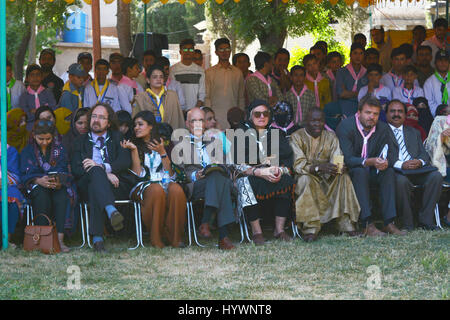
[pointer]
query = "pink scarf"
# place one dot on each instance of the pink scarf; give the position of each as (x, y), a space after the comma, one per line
(355, 76)
(299, 115)
(365, 138)
(316, 85)
(330, 74)
(408, 93)
(436, 41)
(167, 83)
(260, 76)
(274, 125)
(37, 103)
(129, 82)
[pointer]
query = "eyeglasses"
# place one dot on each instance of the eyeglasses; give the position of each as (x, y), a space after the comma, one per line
(94, 116)
(224, 50)
(258, 114)
(187, 50)
(196, 120)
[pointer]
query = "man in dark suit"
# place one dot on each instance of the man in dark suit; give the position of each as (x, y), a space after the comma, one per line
(412, 167)
(368, 155)
(99, 164)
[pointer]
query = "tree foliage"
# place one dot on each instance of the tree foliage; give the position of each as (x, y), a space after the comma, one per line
(271, 22)
(19, 14)
(172, 19)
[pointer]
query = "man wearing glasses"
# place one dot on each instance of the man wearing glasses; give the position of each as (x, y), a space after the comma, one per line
(190, 75)
(99, 164)
(214, 187)
(224, 84)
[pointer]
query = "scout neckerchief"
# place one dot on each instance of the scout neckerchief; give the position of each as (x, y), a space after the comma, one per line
(316, 85)
(266, 81)
(74, 92)
(101, 94)
(365, 137)
(355, 76)
(298, 116)
(397, 80)
(408, 94)
(11, 84)
(167, 83)
(36, 93)
(102, 149)
(200, 149)
(159, 106)
(444, 89)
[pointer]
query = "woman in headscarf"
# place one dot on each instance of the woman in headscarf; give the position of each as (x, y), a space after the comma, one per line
(283, 118)
(425, 116)
(17, 133)
(268, 183)
(412, 120)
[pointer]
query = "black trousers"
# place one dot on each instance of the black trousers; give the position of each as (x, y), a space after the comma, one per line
(279, 207)
(362, 178)
(51, 202)
(95, 187)
(431, 183)
(216, 190)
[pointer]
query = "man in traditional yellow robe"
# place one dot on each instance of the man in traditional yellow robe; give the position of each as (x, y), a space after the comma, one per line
(322, 193)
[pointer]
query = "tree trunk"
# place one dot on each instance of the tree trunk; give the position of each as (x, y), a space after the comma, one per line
(124, 28)
(19, 56)
(269, 40)
(272, 42)
(32, 42)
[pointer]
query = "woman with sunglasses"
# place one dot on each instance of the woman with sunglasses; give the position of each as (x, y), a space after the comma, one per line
(163, 209)
(44, 173)
(267, 186)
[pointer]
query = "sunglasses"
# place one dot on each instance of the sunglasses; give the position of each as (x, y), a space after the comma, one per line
(258, 114)
(187, 50)
(42, 123)
(224, 50)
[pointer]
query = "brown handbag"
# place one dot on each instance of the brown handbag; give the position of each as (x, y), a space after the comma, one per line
(43, 238)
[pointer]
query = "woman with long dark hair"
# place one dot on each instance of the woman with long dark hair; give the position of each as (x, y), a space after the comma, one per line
(163, 201)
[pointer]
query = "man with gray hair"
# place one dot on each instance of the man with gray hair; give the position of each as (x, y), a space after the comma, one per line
(205, 179)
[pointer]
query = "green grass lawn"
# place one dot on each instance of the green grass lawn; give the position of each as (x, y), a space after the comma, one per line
(335, 267)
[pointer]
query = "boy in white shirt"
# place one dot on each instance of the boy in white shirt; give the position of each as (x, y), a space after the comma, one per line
(374, 87)
(101, 89)
(408, 91)
(437, 86)
(190, 75)
(14, 88)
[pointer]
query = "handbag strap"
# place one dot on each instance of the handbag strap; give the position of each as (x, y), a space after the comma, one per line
(49, 221)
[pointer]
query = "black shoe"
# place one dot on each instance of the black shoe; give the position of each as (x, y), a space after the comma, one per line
(116, 221)
(445, 222)
(429, 227)
(99, 247)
